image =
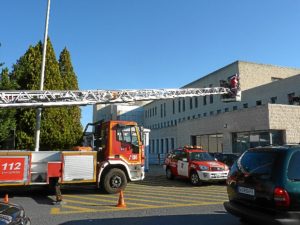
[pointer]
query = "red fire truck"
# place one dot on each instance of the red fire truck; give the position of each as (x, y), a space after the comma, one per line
(117, 157)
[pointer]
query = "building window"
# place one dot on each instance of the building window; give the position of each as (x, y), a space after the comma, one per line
(245, 140)
(204, 114)
(212, 142)
(157, 146)
(172, 143)
(273, 100)
(162, 146)
(204, 100)
(211, 99)
(161, 110)
(179, 105)
(183, 105)
(199, 115)
(258, 102)
(191, 103)
(173, 106)
(290, 98)
(218, 111)
(194, 116)
(165, 110)
(245, 105)
(211, 113)
(196, 102)
(226, 110)
(234, 108)
(175, 122)
(167, 145)
(155, 110)
(188, 117)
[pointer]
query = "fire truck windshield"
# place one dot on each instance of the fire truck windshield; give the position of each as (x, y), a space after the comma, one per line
(200, 156)
(128, 134)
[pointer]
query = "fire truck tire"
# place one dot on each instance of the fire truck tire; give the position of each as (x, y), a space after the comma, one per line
(169, 174)
(114, 181)
(194, 178)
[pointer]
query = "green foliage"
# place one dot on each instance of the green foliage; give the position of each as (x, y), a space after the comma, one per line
(56, 130)
(7, 116)
(74, 132)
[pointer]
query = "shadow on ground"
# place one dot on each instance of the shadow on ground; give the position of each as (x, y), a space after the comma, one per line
(44, 196)
(207, 219)
(162, 181)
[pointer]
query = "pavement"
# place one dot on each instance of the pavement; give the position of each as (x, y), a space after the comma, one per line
(155, 170)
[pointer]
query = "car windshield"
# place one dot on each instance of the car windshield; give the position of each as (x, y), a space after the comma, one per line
(201, 156)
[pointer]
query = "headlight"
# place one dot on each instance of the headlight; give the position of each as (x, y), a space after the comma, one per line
(203, 168)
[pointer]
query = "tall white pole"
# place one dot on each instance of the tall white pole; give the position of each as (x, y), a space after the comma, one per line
(39, 110)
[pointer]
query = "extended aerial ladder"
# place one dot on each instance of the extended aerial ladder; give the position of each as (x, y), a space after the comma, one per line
(51, 98)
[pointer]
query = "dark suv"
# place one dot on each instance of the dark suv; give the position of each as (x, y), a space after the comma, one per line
(263, 186)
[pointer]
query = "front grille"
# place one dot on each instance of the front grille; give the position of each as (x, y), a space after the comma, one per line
(217, 169)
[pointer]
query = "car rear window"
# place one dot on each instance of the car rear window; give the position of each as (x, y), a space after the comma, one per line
(258, 163)
(294, 167)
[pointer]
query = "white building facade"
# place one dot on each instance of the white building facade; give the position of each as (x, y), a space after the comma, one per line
(265, 116)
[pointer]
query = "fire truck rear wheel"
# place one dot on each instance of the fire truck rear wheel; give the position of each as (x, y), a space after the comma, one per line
(194, 178)
(114, 181)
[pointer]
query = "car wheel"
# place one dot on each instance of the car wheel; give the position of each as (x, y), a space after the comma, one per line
(169, 174)
(194, 178)
(114, 181)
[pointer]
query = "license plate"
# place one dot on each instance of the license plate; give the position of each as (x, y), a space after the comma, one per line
(246, 191)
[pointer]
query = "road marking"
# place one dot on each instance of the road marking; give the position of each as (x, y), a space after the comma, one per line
(57, 211)
(167, 192)
(100, 200)
(141, 196)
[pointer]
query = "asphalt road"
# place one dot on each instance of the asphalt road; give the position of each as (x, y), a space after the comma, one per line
(153, 201)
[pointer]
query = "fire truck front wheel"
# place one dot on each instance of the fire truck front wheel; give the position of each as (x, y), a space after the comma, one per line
(114, 181)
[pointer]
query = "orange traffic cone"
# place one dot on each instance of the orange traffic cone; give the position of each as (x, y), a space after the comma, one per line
(121, 203)
(6, 198)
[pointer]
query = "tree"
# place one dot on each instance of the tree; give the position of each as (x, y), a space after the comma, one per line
(7, 116)
(74, 132)
(26, 72)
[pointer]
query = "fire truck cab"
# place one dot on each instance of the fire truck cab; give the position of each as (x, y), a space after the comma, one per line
(196, 164)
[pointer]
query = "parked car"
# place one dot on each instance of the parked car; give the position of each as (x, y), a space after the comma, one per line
(195, 164)
(227, 158)
(263, 186)
(11, 214)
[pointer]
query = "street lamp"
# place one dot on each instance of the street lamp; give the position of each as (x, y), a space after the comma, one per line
(39, 110)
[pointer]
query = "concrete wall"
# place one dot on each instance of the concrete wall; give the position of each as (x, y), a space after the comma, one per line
(286, 117)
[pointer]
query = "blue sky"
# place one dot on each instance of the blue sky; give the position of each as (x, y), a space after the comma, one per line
(137, 44)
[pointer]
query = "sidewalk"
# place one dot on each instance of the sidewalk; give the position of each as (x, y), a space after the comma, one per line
(155, 170)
